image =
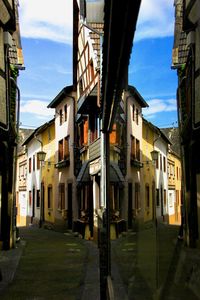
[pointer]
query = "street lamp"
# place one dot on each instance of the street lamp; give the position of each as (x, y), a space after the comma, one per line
(154, 155)
(41, 157)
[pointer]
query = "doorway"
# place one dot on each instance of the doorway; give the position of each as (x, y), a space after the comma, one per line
(69, 198)
(130, 205)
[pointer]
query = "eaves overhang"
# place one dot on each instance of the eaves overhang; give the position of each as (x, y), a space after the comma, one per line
(134, 92)
(63, 93)
(38, 131)
(120, 19)
(87, 103)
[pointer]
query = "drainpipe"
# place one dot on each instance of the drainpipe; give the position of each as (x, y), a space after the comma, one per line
(41, 191)
(74, 111)
(15, 164)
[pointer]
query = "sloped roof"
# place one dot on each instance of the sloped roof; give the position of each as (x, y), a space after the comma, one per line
(173, 135)
(158, 131)
(37, 131)
(24, 133)
(180, 49)
(62, 94)
(137, 96)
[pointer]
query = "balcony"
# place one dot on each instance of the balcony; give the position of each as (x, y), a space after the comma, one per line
(87, 103)
(135, 162)
(95, 149)
(63, 163)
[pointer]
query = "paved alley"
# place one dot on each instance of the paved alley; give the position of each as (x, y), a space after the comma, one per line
(52, 265)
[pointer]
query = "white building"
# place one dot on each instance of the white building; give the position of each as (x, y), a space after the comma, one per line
(65, 187)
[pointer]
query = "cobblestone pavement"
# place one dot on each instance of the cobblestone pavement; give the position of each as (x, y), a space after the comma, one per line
(146, 265)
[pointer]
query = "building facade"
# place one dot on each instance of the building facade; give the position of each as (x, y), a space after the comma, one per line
(65, 206)
(48, 183)
(134, 124)
(186, 60)
(11, 61)
(21, 179)
(174, 187)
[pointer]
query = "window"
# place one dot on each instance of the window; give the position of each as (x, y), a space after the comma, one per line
(133, 113)
(157, 197)
(38, 163)
(164, 163)
(60, 115)
(114, 135)
(83, 133)
(177, 173)
(49, 194)
(157, 166)
(60, 150)
(29, 165)
(165, 197)
(147, 196)
(61, 200)
(138, 150)
(161, 162)
(94, 128)
(33, 162)
(22, 171)
(133, 147)
(38, 198)
(30, 198)
(65, 112)
(66, 148)
(172, 170)
(137, 116)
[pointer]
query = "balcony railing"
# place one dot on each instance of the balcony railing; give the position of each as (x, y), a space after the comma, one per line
(135, 162)
(95, 149)
(63, 163)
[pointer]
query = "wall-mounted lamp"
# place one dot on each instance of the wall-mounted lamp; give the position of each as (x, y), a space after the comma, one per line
(41, 156)
(154, 155)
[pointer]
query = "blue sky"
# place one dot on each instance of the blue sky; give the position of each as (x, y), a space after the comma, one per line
(47, 47)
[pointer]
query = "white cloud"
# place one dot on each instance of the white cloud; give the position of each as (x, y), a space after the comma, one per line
(60, 69)
(37, 108)
(159, 106)
(156, 19)
(53, 20)
(46, 19)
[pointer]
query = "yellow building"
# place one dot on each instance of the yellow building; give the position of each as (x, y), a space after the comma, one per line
(148, 173)
(48, 186)
(174, 188)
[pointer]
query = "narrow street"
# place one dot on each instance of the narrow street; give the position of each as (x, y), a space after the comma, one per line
(53, 265)
(146, 264)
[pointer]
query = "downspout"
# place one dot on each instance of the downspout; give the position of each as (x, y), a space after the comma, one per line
(15, 165)
(42, 219)
(7, 91)
(74, 129)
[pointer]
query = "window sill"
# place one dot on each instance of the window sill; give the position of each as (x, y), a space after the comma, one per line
(63, 163)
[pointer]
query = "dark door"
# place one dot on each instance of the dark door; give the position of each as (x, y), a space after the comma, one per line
(130, 205)
(69, 197)
(42, 202)
(91, 213)
(33, 207)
